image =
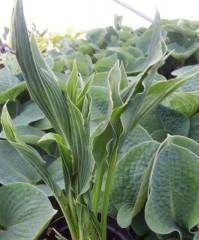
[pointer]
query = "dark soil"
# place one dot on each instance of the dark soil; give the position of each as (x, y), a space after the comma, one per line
(114, 232)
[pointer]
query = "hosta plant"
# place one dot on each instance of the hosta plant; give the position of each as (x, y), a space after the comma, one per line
(95, 152)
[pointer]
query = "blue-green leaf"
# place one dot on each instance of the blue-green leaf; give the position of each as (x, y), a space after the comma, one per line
(172, 205)
(24, 212)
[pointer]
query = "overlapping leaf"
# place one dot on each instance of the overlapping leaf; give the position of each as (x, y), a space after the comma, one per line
(24, 211)
(14, 168)
(10, 86)
(162, 121)
(27, 152)
(64, 116)
(128, 179)
(173, 200)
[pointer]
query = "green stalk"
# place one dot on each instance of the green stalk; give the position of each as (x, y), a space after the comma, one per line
(111, 169)
(72, 208)
(80, 226)
(97, 189)
(81, 236)
(64, 205)
(89, 226)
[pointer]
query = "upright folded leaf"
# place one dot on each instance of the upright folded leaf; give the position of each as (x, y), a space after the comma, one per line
(60, 109)
(41, 84)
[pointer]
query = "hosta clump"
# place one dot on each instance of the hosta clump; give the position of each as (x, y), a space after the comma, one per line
(88, 156)
(162, 179)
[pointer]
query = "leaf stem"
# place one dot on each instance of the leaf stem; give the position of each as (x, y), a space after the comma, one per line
(64, 205)
(72, 208)
(107, 193)
(97, 189)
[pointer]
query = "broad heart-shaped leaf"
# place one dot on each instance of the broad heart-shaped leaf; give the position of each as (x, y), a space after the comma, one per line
(174, 197)
(7, 80)
(194, 127)
(100, 79)
(29, 112)
(162, 121)
(182, 52)
(186, 70)
(125, 54)
(193, 83)
(105, 64)
(96, 36)
(184, 102)
(84, 63)
(185, 142)
(30, 135)
(128, 178)
(11, 63)
(24, 211)
(160, 91)
(27, 152)
(56, 171)
(180, 26)
(10, 86)
(43, 124)
(137, 136)
(14, 168)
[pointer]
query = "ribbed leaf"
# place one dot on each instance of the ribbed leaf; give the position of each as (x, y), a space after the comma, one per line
(162, 121)
(128, 178)
(185, 143)
(122, 118)
(42, 62)
(11, 63)
(24, 211)
(41, 84)
(27, 152)
(14, 168)
(64, 116)
(84, 162)
(174, 197)
(184, 102)
(124, 80)
(114, 82)
(30, 135)
(182, 52)
(137, 136)
(29, 112)
(66, 156)
(194, 127)
(158, 92)
(106, 63)
(13, 93)
(72, 84)
(84, 63)
(10, 86)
